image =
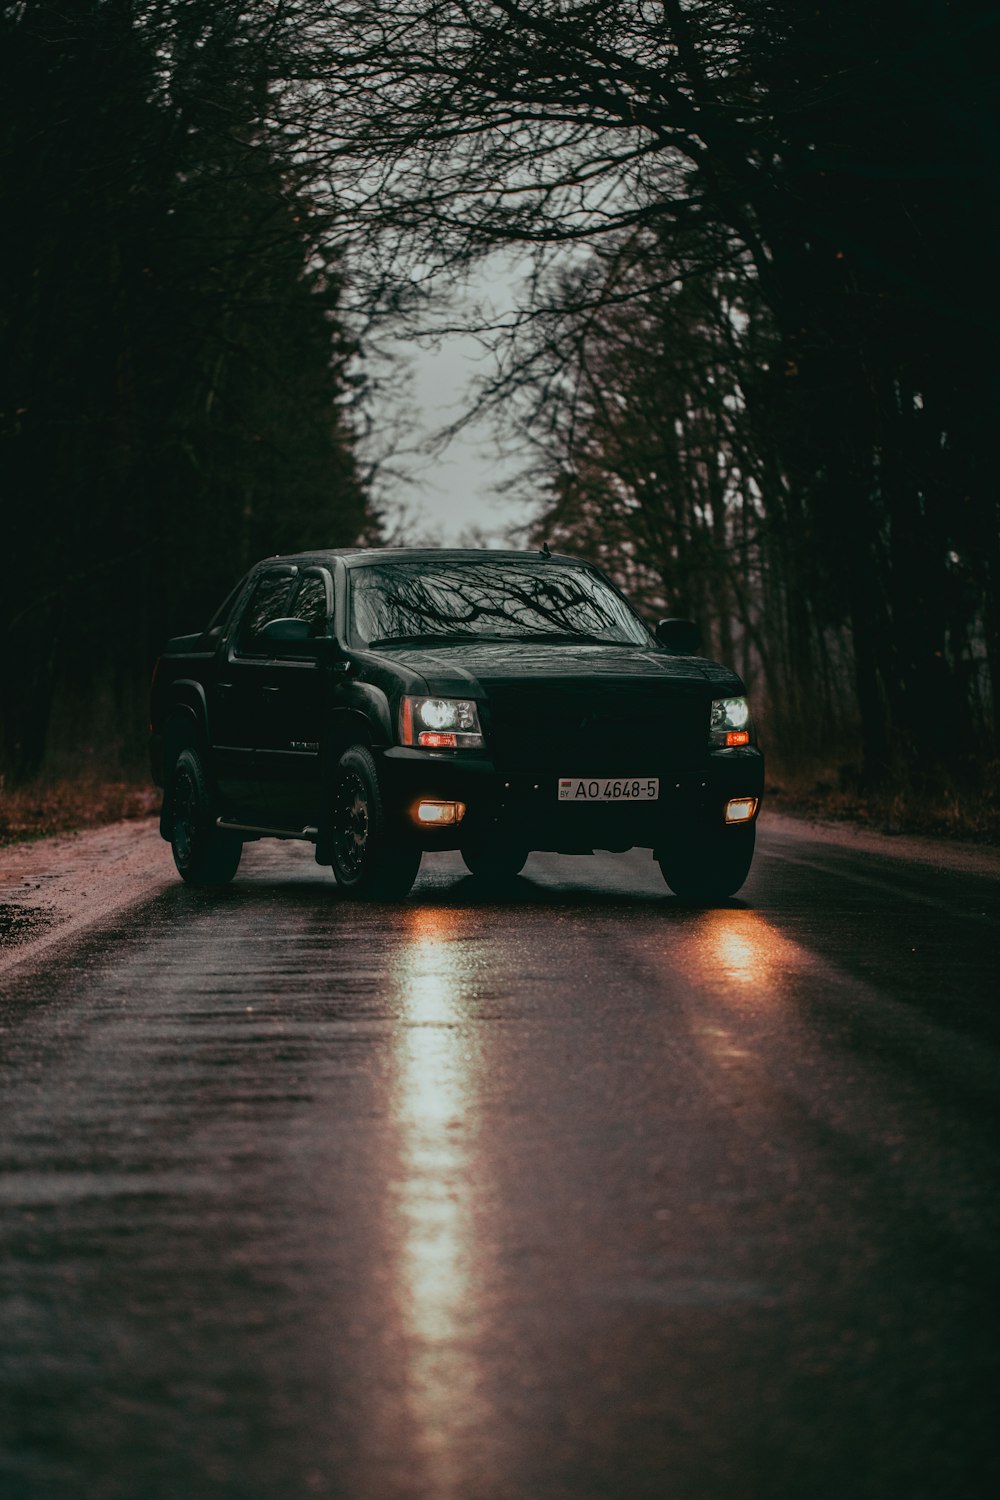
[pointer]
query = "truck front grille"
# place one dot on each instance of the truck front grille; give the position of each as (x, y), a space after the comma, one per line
(598, 729)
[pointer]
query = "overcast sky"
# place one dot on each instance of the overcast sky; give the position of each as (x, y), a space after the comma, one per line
(449, 493)
(458, 489)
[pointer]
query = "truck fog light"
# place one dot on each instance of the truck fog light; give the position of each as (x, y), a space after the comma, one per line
(440, 813)
(740, 809)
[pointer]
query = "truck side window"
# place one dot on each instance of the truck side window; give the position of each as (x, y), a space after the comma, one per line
(267, 602)
(310, 603)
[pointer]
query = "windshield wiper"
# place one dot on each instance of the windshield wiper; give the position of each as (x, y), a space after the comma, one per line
(547, 637)
(431, 638)
(561, 638)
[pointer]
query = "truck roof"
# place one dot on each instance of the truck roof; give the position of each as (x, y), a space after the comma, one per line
(357, 556)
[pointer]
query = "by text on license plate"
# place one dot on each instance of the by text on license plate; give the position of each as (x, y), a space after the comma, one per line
(604, 789)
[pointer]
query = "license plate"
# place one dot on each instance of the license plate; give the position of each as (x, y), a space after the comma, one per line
(603, 789)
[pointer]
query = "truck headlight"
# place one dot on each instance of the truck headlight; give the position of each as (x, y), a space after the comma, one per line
(440, 724)
(730, 723)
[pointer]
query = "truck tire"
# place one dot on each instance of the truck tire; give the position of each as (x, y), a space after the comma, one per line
(494, 859)
(369, 863)
(711, 867)
(203, 854)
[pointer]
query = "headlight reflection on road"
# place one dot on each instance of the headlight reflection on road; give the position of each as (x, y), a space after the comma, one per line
(435, 1107)
(738, 958)
(739, 950)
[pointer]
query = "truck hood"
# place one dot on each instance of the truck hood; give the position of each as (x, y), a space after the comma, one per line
(472, 670)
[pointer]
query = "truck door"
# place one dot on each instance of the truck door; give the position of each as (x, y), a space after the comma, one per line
(239, 701)
(298, 689)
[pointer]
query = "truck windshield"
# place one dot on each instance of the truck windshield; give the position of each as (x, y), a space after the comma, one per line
(437, 600)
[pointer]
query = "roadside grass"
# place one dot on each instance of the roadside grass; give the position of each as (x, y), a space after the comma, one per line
(967, 813)
(66, 804)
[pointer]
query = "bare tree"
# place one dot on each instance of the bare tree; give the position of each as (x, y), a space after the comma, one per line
(845, 151)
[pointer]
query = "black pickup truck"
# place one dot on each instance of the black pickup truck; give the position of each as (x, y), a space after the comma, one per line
(386, 702)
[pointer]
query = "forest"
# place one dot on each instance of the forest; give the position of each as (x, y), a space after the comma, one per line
(177, 383)
(751, 374)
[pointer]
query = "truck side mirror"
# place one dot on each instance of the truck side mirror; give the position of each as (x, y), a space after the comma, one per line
(285, 632)
(683, 637)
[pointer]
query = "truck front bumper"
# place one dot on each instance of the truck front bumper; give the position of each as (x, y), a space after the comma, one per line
(525, 808)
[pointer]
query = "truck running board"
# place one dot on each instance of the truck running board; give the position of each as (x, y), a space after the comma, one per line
(255, 832)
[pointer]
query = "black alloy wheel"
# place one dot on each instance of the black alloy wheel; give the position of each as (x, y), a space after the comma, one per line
(352, 824)
(203, 853)
(711, 867)
(368, 861)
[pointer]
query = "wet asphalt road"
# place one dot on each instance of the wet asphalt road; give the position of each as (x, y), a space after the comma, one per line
(575, 1193)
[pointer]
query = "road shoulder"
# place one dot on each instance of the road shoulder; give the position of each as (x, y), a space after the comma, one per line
(943, 854)
(54, 887)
